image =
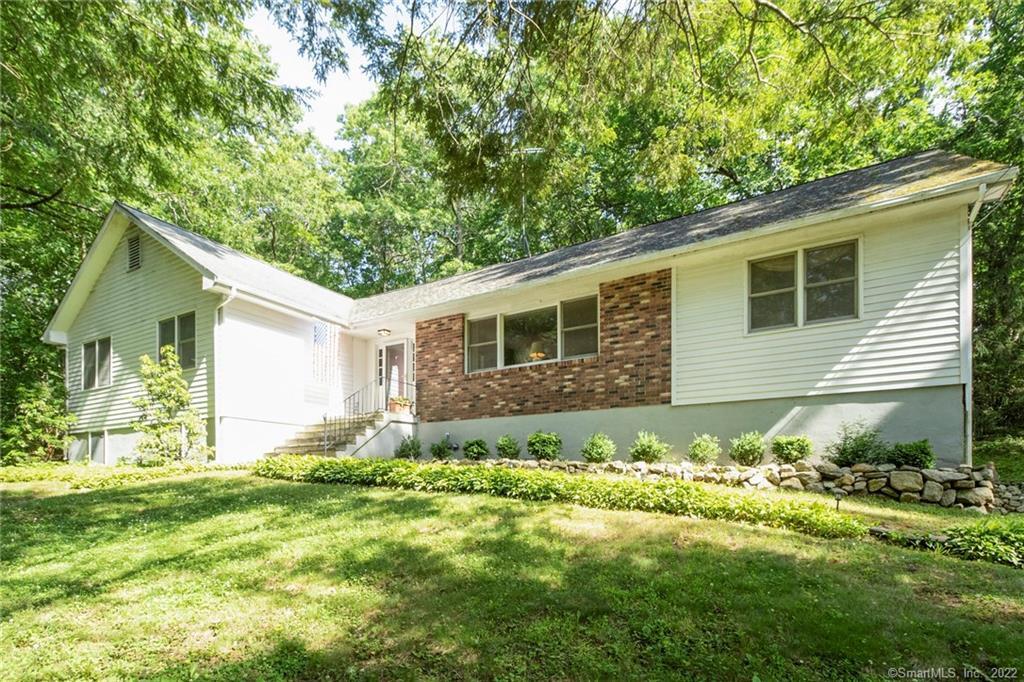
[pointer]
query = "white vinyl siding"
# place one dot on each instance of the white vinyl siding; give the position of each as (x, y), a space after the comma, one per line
(906, 334)
(126, 306)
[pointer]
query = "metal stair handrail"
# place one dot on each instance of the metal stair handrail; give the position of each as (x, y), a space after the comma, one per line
(371, 399)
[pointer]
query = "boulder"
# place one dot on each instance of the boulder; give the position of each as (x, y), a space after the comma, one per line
(943, 475)
(816, 487)
(808, 476)
(658, 468)
(876, 484)
(975, 496)
(792, 483)
(910, 497)
(844, 480)
(932, 491)
(786, 470)
(773, 476)
(889, 492)
(906, 481)
(828, 469)
(964, 485)
(639, 467)
(862, 468)
(886, 467)
(948, 498)
(748, 474)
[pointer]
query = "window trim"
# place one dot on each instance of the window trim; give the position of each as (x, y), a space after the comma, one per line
(96, 365)
(177, 337)
(559, 330)
(795, 289)
(801, 321)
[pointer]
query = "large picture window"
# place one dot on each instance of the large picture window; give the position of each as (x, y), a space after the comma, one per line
(566, 330)
(822, 279)
(96, 363)
(180, 333)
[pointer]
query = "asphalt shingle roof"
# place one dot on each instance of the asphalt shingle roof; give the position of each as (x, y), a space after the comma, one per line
(245, 272)
(885, 181)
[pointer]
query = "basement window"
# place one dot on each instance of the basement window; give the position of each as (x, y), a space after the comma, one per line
(180, 333)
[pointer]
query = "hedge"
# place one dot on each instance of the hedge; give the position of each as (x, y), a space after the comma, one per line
(667, 496)
(83, 476)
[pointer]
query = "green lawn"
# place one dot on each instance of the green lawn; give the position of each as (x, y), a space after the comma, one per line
(228, 576)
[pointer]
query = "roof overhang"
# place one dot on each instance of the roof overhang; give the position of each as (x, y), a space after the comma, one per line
(994, 186)
(114, 226)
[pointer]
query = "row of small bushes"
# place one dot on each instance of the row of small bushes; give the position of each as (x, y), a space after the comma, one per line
(84, 476)
(856, 443)
(748, 449)
(668, 496)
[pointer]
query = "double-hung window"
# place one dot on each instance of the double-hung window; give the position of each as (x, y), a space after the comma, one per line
(96, 363)
(807, 286)
(557, 332)
(179, 333)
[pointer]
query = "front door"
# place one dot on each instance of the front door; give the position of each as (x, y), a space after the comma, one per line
(393, 372)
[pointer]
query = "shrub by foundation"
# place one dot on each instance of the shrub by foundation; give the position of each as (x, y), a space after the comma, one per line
(476, 449)
(507, 447)
(648, 448)
(791, 449)
(541, 445)
(705, 449)
(598, 448)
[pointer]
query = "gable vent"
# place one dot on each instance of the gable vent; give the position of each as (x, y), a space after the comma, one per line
(134, 252)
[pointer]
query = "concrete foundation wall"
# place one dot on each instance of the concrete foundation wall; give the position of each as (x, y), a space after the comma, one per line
(935, 413)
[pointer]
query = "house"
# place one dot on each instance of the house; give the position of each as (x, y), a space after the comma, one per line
(847, 298)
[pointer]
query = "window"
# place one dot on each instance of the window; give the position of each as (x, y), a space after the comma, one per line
(531, 336)
(773, 292)
(134, 253)
(823, 279)
(566, 330)
(830, 282)
(96, 363)
(179, 332)
(579, 327)
(482, 344)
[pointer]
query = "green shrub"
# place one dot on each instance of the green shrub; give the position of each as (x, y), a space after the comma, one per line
(918, 453)
(648, 448)
(667, 496)
(91, 477)
(1000, 541)
(38, 429)
(443, 448)
(171, 427)
(857, 444)
(599, 448)
(705, 449)
(476, 449)
(747, 449)
(507, 447)
(1006, 452)
(791, 449)
(409, 448)
(541, 445)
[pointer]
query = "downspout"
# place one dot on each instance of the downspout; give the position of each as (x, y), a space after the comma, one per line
(217, 319)
(966, 248)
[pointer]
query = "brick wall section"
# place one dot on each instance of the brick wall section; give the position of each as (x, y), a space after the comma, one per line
(632, 368)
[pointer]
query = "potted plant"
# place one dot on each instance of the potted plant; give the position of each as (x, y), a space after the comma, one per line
(399, 403)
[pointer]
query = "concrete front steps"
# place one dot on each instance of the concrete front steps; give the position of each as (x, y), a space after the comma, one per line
(310, 440)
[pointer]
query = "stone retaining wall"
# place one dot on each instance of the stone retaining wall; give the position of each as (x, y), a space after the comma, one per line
(964, 487)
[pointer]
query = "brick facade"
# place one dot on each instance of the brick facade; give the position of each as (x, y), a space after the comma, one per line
(632, 368)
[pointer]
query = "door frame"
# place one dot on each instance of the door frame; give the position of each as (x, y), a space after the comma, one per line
(380, 368)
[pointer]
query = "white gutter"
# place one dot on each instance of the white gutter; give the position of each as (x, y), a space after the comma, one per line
(1001, 177)
(231, 291)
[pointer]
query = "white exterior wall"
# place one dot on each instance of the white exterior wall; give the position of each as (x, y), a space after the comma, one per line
(908, 334)
(266, 390)
(126, 306)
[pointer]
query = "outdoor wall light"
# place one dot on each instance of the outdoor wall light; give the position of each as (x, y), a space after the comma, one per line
(384, 332)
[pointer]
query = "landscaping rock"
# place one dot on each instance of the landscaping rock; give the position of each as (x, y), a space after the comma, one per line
(932, 491)
(862, 468)
(948, 498)
(828, 469)
(910, 497)
(844, 480)
(975, 496)
(792, 482)
(876, 484)
(963, 485)
(886, 467)
(943, 475)
(905, 480)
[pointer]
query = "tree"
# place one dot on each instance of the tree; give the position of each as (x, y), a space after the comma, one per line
(39, 430)
(171, 428)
